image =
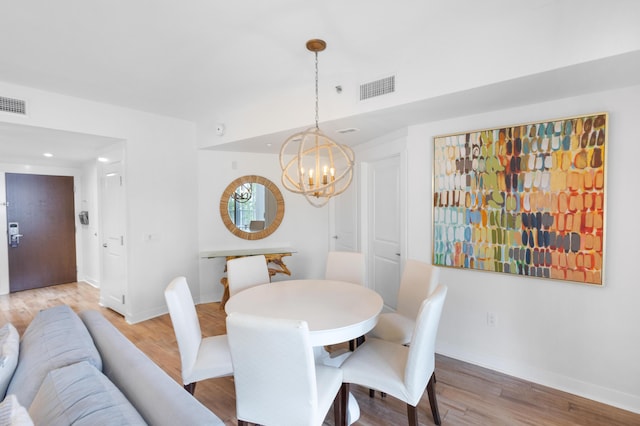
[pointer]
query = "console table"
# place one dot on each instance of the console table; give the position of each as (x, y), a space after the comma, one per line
(273, 255)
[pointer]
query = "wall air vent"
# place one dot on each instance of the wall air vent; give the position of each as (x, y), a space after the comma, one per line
(348, 130)
(16, 106)
(378, 87)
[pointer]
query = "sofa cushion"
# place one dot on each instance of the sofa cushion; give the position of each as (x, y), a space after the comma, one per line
(14, 414)
(55, 338)
(79, 394)
(9, 349)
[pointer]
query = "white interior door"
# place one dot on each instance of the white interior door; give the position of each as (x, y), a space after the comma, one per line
(344, 229)
(384, 223)
(114, 278)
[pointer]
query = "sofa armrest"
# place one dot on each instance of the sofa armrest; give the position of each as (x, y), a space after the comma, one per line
(157, 397)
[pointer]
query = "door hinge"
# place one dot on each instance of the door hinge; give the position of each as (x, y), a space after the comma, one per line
(120, 180)
(121, 240)
(123, 299)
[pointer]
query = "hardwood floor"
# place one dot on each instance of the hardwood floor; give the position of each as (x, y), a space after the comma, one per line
(467, 394)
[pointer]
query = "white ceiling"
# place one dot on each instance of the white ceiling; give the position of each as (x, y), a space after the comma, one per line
(27, 145)
(188, 58)
(184, 58)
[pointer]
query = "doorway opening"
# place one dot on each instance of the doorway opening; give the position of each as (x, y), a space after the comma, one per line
(74, 156)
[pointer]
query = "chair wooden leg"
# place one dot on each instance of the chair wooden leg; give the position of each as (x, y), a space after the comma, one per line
(354, 343)
(344, 404)
(412, 415)
(337, 411)
(191, 387)
(372, 393)
(431, 391)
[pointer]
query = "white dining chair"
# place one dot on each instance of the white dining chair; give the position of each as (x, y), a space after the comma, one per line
(200, 358)
(345, 266)
(276, 379)
(403, 372)
(418, 281)
(246, 272)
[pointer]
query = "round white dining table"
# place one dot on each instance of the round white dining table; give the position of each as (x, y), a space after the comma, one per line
(335, 311)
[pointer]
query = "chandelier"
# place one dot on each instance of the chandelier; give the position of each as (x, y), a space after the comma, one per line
(317, 167)
(242, 193)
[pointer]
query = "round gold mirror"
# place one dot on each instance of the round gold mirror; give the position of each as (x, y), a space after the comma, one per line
(252, 207)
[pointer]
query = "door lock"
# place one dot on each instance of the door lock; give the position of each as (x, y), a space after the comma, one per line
(14, 234)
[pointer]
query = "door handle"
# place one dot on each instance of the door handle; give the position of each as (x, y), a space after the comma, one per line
(104, 245)
(14, 241)
(14, 234)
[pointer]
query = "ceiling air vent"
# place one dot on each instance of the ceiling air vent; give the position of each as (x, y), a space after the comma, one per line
(16, 106)
(378, 87)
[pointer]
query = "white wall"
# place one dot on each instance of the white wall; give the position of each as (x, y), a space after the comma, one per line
(304, 227)
(161, 187)
(579, 338)
(89, 265)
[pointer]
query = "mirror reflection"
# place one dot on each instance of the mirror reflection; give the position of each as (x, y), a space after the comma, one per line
(252, 207)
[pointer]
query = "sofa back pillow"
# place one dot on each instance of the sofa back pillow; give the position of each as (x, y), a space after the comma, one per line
(79, 395)
(9, 349)
(55, 338)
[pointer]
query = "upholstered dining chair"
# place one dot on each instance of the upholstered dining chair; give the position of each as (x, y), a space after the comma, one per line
(245, 272)
(200, 358)
(276, 379)
(418, 281)
(345, 266)
(403, 372)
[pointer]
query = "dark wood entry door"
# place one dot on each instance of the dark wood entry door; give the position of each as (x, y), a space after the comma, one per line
(43, 208)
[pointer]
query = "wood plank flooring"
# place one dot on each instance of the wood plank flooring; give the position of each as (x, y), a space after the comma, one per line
(467, 394)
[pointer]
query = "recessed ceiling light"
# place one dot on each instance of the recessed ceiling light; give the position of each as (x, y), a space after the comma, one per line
(48, 154)
(103, 159)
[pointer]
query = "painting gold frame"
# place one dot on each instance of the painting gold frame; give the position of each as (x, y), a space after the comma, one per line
(526, 199)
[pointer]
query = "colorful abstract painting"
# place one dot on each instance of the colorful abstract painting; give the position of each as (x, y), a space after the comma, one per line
(527, 200)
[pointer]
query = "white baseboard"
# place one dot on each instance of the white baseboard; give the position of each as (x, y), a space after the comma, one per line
(543, 377)
(92, 283)
(146, 315)
(209, 298)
